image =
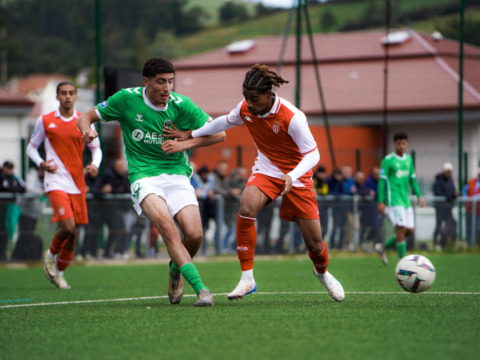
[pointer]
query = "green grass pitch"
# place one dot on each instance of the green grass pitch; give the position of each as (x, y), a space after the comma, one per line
(122, 312)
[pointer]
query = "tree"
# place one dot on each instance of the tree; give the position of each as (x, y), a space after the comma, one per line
(327, 20)
(450, 28)
(232, 11)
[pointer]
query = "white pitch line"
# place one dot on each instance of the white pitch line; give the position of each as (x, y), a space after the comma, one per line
(224, 294)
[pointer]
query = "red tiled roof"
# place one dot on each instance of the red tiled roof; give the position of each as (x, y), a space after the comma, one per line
(422, 74)
(8, 98)
(37, 82)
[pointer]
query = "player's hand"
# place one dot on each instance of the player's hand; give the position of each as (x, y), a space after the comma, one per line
(173, 146)
(381, 208)
(421, 202)
(49, 166)
(288, 184)
(176, 134)
(92, 170)
(89, 135)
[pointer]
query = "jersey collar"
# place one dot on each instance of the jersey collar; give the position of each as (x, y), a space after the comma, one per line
(145, 98)
(59, 115)
(275, 107)
(403, 157)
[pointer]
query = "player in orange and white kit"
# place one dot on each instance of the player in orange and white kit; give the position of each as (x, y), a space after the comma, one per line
(287, 152)
(64, 177)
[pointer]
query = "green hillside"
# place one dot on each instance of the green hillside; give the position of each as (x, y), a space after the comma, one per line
(344, 15)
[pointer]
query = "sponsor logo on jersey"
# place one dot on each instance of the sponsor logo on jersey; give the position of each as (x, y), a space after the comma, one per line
(148, 137)
(104, 104)
(137, 135)
(248, 118)
(402, 173)
(276, 128)
(52, 126)
(251, 178)
(139, 117)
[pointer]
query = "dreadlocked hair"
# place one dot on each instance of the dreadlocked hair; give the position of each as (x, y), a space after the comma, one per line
(260, 78)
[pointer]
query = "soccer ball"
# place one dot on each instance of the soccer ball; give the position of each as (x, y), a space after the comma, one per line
(415, 273)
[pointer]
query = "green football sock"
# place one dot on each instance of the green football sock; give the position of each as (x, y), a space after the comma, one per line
(401, 248)
(389, 242)
(174, 268)
(190, 273)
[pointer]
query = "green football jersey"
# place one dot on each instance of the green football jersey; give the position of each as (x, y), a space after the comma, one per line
(397, 174)
(142, 128)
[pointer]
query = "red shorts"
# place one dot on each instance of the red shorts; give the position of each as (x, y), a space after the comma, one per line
(298, 202)
(66, 206)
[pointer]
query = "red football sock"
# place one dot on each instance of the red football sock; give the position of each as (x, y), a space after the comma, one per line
(64, 259)
(56, 245)
(246, 240)
(320, 261)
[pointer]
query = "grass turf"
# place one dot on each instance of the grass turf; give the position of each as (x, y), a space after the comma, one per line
(291, 316)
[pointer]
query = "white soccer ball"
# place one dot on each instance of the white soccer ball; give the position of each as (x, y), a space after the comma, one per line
(415, 273)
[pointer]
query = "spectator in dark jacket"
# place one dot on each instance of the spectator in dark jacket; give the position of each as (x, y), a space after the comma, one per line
(9, 183)
(446, 226)
(114, 181)
(339, 216)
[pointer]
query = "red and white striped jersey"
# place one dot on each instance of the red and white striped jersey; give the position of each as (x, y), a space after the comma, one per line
(282, 138)
(64, 145)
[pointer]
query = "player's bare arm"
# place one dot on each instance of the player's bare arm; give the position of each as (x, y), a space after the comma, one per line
(288, 184)
(176, 134)
(49, 166)
(173, 146)
(421, 202)
(92, 170)
(381, 208)
(84, 124)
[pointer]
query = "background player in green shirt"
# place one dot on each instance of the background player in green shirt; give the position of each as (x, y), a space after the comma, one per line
(160, 182)
(397, 174)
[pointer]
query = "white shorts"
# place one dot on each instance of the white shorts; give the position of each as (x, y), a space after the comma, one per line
(176, 190)
(400, 216)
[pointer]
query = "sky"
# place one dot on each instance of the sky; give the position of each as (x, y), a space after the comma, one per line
(279, 3)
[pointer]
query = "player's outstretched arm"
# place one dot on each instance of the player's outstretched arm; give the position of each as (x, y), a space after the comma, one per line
(173, 146)
(84, 124)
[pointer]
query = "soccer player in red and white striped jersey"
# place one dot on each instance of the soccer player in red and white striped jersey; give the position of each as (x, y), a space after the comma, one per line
(287, 152)
(64, 177)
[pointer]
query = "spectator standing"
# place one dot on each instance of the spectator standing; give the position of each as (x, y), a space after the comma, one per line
(94, 228)
(28, 245)
(64, 177)
(348, 183)
(222, 190)
(206, 201)
(320, 186)
(115, 181)
(445, 224)
(339, 220)
(238, 179)
(472, 219)
(376, 226)
(9, 211)
(366, 212)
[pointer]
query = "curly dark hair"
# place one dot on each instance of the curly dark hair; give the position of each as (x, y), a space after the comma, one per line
(157, 65)
(260, 78)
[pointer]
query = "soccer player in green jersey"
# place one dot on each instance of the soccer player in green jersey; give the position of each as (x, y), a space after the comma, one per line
(160, 180)
(397, 174)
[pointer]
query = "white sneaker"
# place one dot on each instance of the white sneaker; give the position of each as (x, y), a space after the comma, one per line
(60, 282)
(333, 286)
(243, 288)
(381, 251)
(50, 266)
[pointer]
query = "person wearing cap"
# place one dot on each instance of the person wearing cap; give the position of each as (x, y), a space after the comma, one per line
(472, 220)
(446, 225)
(10, 183)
